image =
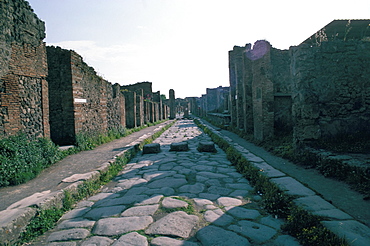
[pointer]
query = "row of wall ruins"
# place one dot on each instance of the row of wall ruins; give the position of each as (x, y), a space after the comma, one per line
(317, 90)
(51, 92)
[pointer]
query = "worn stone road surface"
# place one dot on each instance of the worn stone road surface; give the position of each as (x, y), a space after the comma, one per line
(172, 198)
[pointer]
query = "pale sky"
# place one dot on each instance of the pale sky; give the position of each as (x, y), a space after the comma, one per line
(181, 44)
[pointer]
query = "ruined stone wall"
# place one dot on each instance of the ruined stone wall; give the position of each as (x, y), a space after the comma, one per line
(331, 89)
(80, 100)
(260, 89)
(23, 71)
(62, 117)
(282, 80)
(116, 107)
(89, 97)
(236, 86)
(247, 89)
(262, 92)
(130, 108)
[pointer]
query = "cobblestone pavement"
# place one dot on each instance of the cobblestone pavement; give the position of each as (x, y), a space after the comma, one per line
(172, 198)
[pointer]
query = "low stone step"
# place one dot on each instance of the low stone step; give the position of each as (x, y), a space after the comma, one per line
(181, 146)
(206, 146)
(152, 148)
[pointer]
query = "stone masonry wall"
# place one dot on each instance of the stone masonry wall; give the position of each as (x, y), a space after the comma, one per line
(23, 71)
(80, 100)
(262, 91)
(116, 107)
(260, 86)
(62, 116)
(331, 89)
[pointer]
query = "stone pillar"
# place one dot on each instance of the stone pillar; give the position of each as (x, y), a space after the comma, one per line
(130, 108)
(263, 94)
(236, 86)
(156, 111)
(139, 108)
(157, 98)
(186, 110)
(172, 104)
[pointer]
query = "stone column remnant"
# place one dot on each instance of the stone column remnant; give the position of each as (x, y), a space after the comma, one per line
(172, 104)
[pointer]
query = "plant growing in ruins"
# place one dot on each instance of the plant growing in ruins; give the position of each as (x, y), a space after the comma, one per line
(23, 159)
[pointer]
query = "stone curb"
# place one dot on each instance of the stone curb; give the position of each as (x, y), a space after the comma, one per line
(17, 216)
(307, 198)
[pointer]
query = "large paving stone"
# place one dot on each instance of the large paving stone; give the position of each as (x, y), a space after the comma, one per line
(238, 186)
(292, 186)
(313, 203)
(217, 217)
(242, 213)
(102, 195)
(66, 235)
(141, 210)
(354, 232)
(153, 175)
(76, 223)
(169, 202)
(167, 241)
(151, 200)
(257, 232)
(62, 244)
(125, 200)
(212, 175)
(228, 201)
(286, 240)
(131, 239)
(174, 224)
(166, 191)
(75, 213)
(102, 212)
(128, 183)
(222, 191)
(213, 235)
(167, 182)
(195, 188)
(118, 226)
(202, 202)
(97, 241)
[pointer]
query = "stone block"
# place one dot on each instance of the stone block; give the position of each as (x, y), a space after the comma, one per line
(182, 146)
(206, 146)
(152, 148)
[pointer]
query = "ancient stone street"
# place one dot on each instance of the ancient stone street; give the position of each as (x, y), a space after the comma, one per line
(172, 198)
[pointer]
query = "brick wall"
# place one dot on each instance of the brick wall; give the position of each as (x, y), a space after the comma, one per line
(23, 71)
(80, 100)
